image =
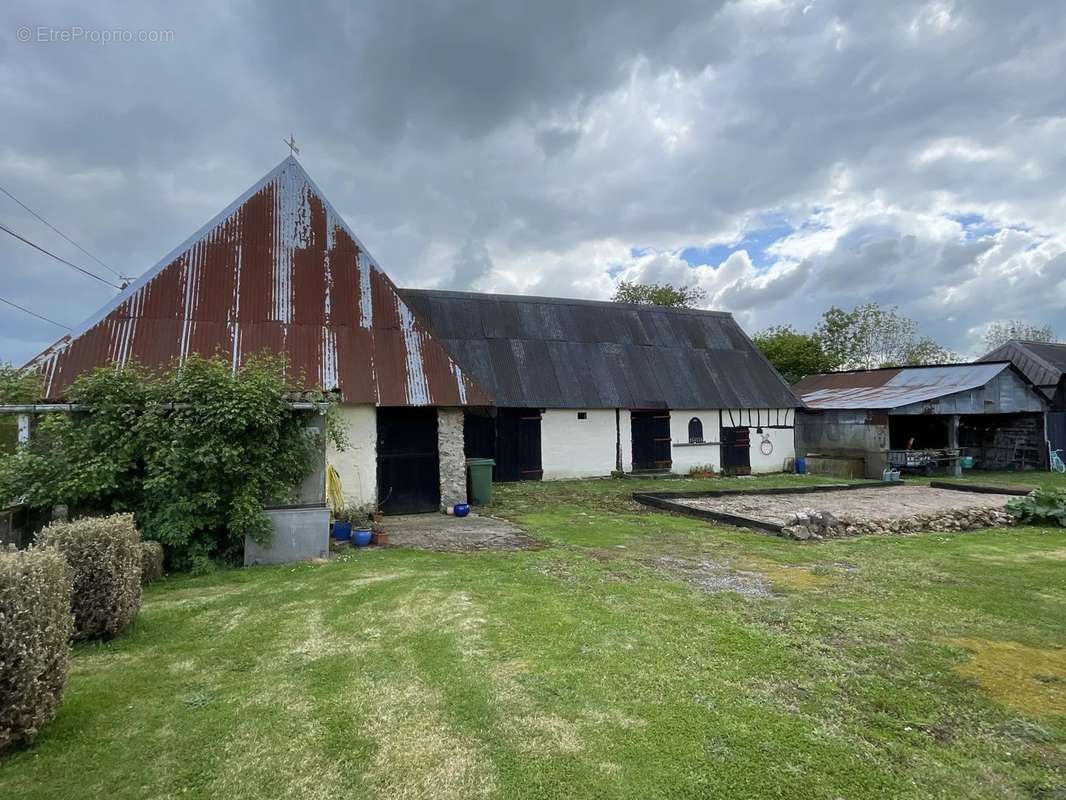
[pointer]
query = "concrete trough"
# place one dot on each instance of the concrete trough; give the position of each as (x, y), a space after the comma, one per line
(300, 533)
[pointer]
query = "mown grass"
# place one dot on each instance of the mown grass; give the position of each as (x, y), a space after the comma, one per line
(1025, 480)
(922, 666)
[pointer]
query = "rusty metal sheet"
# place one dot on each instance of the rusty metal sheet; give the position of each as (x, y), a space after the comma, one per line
(278, 270)
(895, 387)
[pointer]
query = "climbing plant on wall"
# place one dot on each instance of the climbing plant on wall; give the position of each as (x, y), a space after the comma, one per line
(196, 453)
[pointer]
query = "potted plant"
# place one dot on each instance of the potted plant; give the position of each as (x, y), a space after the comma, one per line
(342, 522)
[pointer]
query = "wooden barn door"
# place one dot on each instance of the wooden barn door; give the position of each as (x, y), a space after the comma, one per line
(736, 451)
(1056, 431)
(518, 456)
(408, 460)
(651, 439)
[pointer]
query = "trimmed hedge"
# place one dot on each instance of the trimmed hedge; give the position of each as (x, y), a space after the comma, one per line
(151, 561)
(104, 554)
(35, 629)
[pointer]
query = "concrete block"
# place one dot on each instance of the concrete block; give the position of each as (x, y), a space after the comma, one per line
(301, 533)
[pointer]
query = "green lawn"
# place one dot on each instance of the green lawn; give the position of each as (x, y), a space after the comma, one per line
(1028, 480)
(903, 667)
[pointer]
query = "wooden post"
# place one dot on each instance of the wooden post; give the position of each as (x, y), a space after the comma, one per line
(953, 444)
(23, 423)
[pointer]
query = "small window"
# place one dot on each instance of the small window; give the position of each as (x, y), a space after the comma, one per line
(582, 415)
(695, 431)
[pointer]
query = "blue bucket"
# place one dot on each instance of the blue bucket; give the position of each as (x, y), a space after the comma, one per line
(361, 537)
(801, 466)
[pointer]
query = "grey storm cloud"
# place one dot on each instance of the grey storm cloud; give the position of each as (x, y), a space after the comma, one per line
(914, 147)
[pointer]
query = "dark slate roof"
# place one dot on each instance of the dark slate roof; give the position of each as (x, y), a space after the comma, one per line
(1041, 362)
(542, 352)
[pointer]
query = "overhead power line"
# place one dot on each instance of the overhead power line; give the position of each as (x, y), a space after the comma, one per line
(59, 259)
(54, 228)
(34, 314)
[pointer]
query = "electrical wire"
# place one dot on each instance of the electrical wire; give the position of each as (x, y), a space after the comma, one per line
(59, 259)
(34, 314)
(54, 228)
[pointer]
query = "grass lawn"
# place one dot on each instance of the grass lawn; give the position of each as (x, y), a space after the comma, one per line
(927, 666)
(1029, 480)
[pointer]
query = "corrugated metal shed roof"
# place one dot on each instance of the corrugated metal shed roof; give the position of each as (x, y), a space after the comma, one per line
(560, 353)
(1041, 362)
(278, 270)
(893, 387)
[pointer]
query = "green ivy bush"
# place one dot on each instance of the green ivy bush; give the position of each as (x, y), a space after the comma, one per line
(1040, 505)
(196, 453)
(16, 386)
(151, 562)
(104, 554)
(35, 630)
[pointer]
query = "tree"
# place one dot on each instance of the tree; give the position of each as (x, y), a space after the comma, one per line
(999, 333)
(196, 453)
(658, 294)
(16, 386)
(868, 337)
(795, 355)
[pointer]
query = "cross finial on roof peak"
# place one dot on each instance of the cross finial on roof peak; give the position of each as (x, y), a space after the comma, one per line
(291, 142)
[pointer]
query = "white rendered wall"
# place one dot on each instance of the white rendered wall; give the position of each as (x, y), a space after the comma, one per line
(782, 440)
(357, 465)
(580, 448)
(686, 456)
(783, 444)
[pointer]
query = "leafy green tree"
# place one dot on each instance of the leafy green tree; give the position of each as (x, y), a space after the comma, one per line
(16, 386)
(868, 337)
(795, 355)
(999, 333)
(196, 453)
(658, 294)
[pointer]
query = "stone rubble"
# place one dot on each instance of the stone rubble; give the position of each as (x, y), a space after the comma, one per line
(811, 524)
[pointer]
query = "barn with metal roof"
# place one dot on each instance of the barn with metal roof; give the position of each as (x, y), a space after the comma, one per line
(547, 387)
(941, 416)
(584, 387)
(1044, 363)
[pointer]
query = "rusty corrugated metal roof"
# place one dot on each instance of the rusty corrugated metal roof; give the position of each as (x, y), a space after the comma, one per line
(894, 387)
(277, 270)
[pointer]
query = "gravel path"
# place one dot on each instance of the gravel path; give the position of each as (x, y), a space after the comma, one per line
(894, 502)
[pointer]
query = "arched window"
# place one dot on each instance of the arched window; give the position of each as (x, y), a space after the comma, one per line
(695, 431)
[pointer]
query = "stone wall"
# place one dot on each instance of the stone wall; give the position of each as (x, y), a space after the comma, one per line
(452, 458)
(812, 524)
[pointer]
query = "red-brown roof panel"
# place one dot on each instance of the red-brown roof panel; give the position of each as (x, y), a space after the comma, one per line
(277, 271)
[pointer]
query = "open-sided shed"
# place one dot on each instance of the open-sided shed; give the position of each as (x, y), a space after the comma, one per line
(989, 412)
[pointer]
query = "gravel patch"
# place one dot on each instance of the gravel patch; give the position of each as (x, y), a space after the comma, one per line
(888, 503)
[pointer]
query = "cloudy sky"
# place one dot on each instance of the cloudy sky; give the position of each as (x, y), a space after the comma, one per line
(786, 156)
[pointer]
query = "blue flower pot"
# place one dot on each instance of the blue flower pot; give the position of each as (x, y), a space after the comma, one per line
(361, 537)
(342, 531)
(461, 509)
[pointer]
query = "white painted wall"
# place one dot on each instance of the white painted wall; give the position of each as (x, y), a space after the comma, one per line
(782, 440)
(580, 448)
(782, 444)
(686, 456)
(357, 465)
